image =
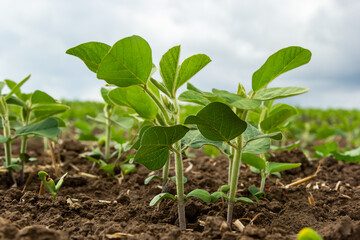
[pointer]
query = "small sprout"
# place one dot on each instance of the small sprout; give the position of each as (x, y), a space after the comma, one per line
(50, 184)
(148, 179)
(216, 195)
(160, 197)
(128, 168)
(244, 200)
(256, 193)
(199, 193)
(308, 234)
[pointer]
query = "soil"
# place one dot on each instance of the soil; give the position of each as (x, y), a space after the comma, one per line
(103, 208)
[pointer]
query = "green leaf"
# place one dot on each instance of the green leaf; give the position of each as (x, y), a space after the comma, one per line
(61, 122)
(43, 106)
(169, 64)
(140, 134)
(196, 140)
(216, 195)
(348, 156)
(286, 147)
(124, 122)
(16, 101)
(253, 160)
(41, 97)
(161, 86)
(258, 146)
(60, 182)
(199, 193)
(308, 234)
(190, 67)
(275, 136)
(47, 128)
(160, 197)
(22, 96)
(94, 160)
(193, 97)
(98, 119)
(83, 126)
(156, 143)
(129, 62)
(150, 178)
(225, 188)
(104, 94)
(218, 122)
(91, 53)
(211, 151)
(16, 88)
(184, 179)
(48, 182)
(256, 193)
(128, 168)
(267, 94)
(278, 115)
(280, 62)
(109, 168)
(237, 101)
(49, 107)
(244, 200)
(136, 98)
(278, 167)
(3, 139)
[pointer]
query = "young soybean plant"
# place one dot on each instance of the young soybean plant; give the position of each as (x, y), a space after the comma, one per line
(270, 118)
(50, 184)
(225, 115)
(128, 65)
(46, 127)
(34, 107)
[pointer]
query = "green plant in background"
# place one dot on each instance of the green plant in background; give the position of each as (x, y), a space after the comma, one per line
(331, 149)
(39, 123)
(128, 65)
(34, 108)
(225, 116)
(50, 184)
(270, 118)
(308, 234)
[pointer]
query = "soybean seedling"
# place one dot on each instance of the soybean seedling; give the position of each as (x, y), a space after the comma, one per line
(224, 118)
(270, 118)
(34, 107)
(47, 127)
(50, 184)
(128, 65)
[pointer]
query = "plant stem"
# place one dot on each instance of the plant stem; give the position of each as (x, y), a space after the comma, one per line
(234, 179)
(263, 178)
(22, 150)
(230, 169)
(179, 171)
(7, 144)
(180, 186)
(236, 163)
(158, 104)
(107, 112)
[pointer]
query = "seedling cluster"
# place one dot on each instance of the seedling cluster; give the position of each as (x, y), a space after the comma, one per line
(243, 125)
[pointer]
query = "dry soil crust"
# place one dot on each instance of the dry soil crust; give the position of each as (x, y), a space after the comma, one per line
(125, 213)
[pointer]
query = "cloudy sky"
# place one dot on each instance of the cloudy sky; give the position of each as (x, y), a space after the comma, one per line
(237, 35)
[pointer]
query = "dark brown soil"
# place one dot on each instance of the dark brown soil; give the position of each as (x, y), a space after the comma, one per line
(107, 209)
